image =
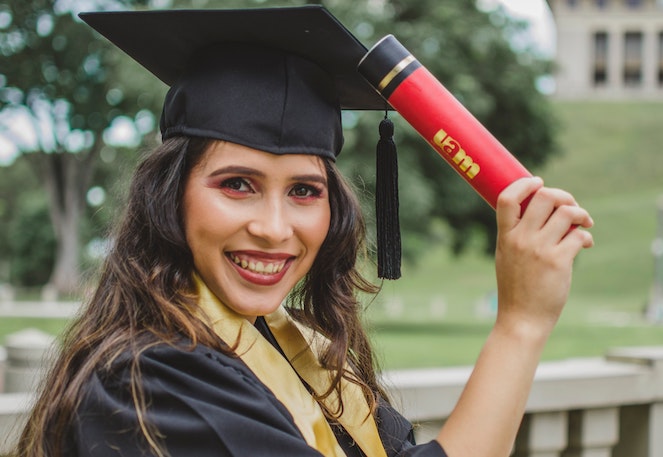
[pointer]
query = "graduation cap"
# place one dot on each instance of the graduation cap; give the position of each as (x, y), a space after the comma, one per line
(273, 79)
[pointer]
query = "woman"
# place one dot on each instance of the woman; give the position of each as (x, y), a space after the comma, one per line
(185, 349)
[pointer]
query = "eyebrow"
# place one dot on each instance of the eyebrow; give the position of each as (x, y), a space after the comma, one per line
(237, 169)
(247, 171)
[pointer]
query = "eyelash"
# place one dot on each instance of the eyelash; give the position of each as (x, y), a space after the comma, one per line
(236, 184)
(312, 191)
(232, 183)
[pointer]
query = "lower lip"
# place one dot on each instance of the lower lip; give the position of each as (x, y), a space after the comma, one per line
(260, 279)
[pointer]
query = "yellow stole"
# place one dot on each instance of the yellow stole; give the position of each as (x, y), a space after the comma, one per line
(300, 346)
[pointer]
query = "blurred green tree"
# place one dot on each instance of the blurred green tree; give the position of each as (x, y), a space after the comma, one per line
(65, 96)
(26, 237)
(32, 242)
(80, 95)
(470, 52)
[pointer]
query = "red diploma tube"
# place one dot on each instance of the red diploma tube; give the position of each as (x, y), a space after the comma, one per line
(441, 119)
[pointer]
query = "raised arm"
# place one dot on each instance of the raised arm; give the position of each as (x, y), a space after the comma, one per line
(534, 260)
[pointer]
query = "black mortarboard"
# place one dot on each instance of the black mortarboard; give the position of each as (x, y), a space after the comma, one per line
(274, 79)
(269, 44)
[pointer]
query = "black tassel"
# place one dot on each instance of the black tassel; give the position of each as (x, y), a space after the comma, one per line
(386, 204)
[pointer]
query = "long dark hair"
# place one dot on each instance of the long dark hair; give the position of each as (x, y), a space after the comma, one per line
(327, 298)
(145, 296)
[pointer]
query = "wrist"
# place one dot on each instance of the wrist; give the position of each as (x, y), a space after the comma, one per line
(526, 332)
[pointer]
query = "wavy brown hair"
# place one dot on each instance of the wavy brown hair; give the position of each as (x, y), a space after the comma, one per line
(145, 297)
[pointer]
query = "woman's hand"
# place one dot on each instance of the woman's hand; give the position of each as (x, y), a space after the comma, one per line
(535, 253)
(534, 259)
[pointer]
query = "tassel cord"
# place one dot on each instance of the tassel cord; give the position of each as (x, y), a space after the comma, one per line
(387, 204)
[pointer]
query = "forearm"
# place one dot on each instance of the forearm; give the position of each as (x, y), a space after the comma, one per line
(487, 416)
(534, 259)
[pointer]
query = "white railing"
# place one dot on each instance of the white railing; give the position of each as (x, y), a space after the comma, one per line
(13, 414)
(587, 407)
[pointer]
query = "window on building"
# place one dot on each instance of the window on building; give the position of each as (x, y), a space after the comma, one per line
(634, 3)
(660, 58)
(632, 58)
(602, 3)
(572, 3)
(600, 58)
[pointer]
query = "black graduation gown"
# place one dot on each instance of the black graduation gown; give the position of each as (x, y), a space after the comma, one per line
(206, 403)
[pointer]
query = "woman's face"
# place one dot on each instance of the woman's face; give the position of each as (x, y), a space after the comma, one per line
(255, 222)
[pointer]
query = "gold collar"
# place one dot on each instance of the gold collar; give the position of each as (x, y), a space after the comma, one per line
(301, 346)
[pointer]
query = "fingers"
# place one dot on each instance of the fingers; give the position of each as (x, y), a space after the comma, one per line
(557, 215)
(510, 200)
(544, 203)
(551, 213)
(574, 236)
(535, 251)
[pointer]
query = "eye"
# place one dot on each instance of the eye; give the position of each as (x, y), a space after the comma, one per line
(305, 191)
(236, 185)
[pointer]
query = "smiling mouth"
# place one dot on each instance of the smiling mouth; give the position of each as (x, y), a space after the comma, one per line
(258, 266)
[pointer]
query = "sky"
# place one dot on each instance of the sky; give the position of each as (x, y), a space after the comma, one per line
(537, 12)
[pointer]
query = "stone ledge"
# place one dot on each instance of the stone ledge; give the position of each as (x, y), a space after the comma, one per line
(431, 394)
(14, 408)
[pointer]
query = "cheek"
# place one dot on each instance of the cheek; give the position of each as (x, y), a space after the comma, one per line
(199, 222)
(191, 217)
(206, 226)
(317, 229)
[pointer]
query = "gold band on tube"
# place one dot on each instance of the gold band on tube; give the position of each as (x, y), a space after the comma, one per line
(395, 71)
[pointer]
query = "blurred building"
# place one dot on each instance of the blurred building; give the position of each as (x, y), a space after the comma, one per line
(609, 49)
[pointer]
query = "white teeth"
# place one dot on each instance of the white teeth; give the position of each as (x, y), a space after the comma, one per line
(258, 267)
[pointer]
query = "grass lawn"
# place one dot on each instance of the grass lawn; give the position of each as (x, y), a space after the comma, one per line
(417, 327)
(451, 344)
(441, 311)
(9, 325)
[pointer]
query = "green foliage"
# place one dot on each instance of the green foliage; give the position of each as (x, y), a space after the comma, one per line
(27, 243)
(14, 180)
(51, 57)
(32, 243)
(468, 51)
(469, 54)
(85, 84)
(69, 87)
(26, 236)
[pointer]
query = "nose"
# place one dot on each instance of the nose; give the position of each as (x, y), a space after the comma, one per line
(272, 222)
